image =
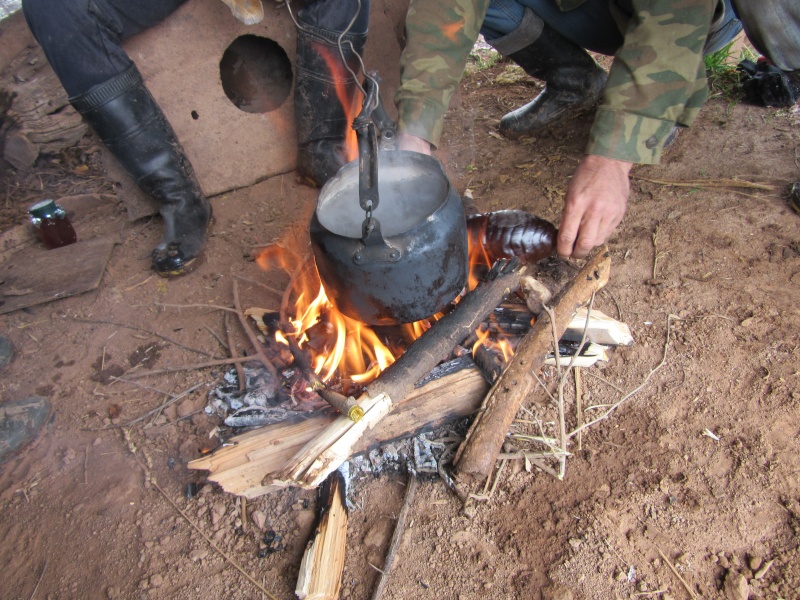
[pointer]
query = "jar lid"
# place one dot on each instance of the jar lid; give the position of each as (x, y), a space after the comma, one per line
(43, 209)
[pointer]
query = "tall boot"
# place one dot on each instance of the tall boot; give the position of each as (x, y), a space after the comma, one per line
(573, 80)
(324, 96)
(126, 117)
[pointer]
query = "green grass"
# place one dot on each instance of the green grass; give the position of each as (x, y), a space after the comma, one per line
(724, 79)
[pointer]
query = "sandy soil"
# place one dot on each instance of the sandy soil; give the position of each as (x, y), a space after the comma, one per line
(689, 489)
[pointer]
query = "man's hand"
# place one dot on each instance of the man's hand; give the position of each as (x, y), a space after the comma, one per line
(406, 141)
(594, 205)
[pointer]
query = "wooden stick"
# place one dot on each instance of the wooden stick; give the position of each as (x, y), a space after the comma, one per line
(328, 451)
(320, 574)
(478, 453)
(397, 537)
(234, 354)
(252, 336)
(240, 466)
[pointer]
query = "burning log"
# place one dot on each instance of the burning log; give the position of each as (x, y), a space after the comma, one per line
(323, 561)
(240, 465)
(330, 449)
(483, 443)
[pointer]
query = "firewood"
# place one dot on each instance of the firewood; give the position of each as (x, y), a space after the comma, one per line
(330, 449)
(240, 465)
(479, 451)
(602, 329)
(320, 574)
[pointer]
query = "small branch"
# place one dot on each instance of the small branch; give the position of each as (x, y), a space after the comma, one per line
(578, 405)
(195, 367)
(259, 284)
(710, 183)
(234, 354)
(397, 537)
(208, 540)
(617, 404)
(147, 331)
(38, 583)
(678, 575)
(172, 400)
(252, 336)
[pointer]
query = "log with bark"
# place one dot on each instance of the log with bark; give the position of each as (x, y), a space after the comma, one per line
(479, 451)
(325, 453)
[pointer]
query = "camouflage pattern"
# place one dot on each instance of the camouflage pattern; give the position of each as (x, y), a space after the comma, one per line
(657, 79)
(439, 38)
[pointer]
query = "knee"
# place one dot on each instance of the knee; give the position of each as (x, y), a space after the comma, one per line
(47, 18)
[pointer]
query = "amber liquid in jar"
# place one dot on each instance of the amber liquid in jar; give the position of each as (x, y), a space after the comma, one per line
(52, 224)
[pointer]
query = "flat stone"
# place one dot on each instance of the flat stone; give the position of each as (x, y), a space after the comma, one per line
(21, 421)
(6, 351)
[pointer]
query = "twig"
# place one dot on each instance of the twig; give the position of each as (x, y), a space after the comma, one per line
(656, 254)
(147, 331)
(578, 405)
(86, 466)
(678, 575)
(653, 593)
(234, 354)
(210, 542)
(397, 536)
(217, 337)
(166, 305)
(259, 284)
(252, 336)
(172, 400)
(195, 367)
(710, 183)
(617, 404)
(41, 576)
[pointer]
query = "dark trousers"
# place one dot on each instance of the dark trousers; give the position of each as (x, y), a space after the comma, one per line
(82, 38)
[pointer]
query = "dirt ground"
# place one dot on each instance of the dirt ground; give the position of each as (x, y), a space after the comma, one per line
(689, 489)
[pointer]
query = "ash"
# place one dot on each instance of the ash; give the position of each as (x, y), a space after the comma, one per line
(424, 454)
(264, 401)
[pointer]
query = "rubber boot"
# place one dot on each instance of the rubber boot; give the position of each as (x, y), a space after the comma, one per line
(326, 99)
(573, 80)
(126, 117)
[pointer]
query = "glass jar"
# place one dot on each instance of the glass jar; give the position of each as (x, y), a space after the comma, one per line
(52, 224)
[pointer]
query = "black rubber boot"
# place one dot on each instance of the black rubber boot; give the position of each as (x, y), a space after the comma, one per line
(126, 117)
(574, 81)
(324, 96)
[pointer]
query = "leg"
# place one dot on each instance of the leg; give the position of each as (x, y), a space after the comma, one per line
(82, 40)
(573, 80)
(325, 91)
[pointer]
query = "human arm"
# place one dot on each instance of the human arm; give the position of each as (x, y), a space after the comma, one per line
(439, 38)
(657, 80)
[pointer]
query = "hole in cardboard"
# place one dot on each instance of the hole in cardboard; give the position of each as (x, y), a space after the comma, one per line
(256, 74)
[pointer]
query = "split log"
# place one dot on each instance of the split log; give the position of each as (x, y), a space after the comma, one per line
(240, 466)
(330, 449)
(602, 329)
(320, 574)
(480, 449)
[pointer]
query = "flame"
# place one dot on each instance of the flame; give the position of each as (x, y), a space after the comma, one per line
(341, 347)
(351, 103)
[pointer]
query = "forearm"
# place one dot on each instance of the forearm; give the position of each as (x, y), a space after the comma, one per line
(439, 38)
(657, 80)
